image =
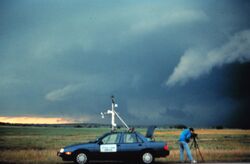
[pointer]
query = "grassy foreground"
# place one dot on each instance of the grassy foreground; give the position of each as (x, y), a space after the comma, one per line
(40, 144)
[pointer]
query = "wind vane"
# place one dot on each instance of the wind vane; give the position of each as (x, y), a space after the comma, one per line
(114, 114)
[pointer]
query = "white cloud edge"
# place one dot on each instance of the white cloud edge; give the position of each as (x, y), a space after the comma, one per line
(195, 63)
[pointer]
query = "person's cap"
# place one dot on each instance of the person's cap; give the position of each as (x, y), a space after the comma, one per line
(191, 129)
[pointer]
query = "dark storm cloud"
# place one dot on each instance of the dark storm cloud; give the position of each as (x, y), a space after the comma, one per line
(64, 58)
(239, 89)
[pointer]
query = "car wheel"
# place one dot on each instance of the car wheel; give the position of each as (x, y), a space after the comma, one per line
(81, 158)
(147, 158)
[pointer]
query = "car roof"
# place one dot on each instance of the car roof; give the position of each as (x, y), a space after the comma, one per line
(122, 132)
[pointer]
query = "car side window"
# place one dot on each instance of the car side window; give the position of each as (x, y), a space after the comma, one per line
(111, 139)
(129, 138)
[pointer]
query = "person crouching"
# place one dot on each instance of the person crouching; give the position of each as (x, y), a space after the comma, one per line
(183, 141)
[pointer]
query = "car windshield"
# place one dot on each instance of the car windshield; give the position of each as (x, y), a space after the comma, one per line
(98, 138)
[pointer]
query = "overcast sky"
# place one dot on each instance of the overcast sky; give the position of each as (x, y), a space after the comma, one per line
(166, 62)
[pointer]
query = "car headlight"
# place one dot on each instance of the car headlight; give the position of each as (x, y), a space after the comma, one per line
(61, 150)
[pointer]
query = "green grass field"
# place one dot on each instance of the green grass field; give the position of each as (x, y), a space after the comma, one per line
(40, 144)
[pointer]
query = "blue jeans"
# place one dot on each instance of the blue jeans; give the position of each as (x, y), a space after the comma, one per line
(184, 145)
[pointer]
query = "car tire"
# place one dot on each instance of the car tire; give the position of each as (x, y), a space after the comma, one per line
(147, 158)
(81, 158)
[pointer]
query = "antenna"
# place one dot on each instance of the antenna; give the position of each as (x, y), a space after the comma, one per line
(113, 114)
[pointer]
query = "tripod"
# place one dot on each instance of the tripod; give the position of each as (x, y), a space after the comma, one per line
(197, 149)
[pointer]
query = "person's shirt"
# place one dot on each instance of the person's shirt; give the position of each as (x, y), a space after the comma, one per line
(185, 135)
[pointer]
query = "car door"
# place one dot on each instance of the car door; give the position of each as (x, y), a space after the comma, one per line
(130, 146)
(108, 146)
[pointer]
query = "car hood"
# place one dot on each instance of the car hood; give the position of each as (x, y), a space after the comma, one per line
(79, 146)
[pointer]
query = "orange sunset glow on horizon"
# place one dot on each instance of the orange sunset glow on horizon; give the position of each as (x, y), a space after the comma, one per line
(34, 120)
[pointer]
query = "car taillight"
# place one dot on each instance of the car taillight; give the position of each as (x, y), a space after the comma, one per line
(165, 147)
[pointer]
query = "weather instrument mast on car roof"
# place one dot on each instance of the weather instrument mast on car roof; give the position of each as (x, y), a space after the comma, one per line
(114, 114)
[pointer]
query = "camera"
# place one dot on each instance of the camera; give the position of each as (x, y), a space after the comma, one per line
(194, 135)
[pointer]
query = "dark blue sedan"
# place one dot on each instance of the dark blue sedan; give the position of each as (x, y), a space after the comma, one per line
(122, 146)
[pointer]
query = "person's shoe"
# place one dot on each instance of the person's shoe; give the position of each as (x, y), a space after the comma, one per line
(193, 161)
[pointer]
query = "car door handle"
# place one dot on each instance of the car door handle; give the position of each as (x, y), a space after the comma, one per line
(139, 144)
(118, 145)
